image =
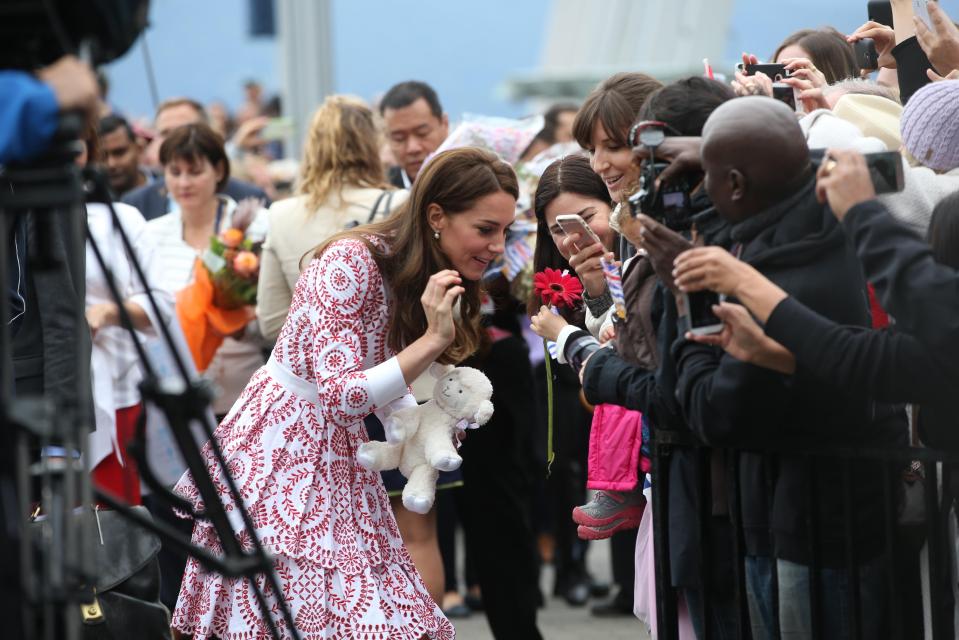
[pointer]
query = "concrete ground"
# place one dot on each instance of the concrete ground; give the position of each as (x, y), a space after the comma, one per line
(559, 621)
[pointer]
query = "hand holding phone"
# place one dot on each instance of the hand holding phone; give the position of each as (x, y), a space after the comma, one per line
(574, 223)
(699, 306)
(848, 178)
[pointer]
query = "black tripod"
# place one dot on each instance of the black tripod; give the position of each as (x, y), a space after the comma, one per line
(55, 569)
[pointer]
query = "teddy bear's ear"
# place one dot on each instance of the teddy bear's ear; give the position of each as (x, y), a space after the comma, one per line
(484, 413)
(437, 370)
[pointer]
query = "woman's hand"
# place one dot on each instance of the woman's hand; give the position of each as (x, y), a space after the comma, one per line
(586, 264)
(812, 97)
(438, 300)
(804, 69)
(935, 77)
(755, 85)
(940, 40)
(711, 268)
(547, 324)
(809, 83)
(743, 339)
(607, 333)
(883, 36)
(843, 181)
(102, 315)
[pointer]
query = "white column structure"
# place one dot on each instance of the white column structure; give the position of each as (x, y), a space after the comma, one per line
(586, 42)
(304, 36)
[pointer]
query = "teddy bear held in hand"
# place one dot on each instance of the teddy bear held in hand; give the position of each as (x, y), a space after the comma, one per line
(420, 440)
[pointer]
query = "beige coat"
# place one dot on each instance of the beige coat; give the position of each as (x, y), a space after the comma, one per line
(293, 232)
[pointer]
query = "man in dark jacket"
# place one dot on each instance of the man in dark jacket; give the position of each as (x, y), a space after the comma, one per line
(153, 200)
(50, 341)
(759, 176)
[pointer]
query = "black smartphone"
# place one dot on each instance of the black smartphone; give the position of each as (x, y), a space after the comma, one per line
(702, 320)
(775, 71)
(785, 93)
(880, 11)
(866, 55)
(885, 168)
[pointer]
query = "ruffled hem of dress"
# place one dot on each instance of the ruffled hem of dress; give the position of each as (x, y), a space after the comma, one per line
(391, 619)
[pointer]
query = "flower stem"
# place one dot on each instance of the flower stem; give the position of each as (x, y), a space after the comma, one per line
(550, 454)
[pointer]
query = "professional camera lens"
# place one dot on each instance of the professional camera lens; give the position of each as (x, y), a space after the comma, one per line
(652, 136)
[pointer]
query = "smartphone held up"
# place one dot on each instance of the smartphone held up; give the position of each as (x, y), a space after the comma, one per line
(776, 72)
(574, 223)
(699, 306)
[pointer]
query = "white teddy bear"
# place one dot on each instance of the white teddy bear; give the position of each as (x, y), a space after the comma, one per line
(420, 439)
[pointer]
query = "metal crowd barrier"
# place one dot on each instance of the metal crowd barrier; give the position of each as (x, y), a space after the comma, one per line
(939, 467)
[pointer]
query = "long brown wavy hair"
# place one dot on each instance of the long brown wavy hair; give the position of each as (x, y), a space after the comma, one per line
(569, 174)
(454, 180)
(341, 150)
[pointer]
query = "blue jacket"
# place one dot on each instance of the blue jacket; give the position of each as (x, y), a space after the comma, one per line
(28, 116)
(28, 120)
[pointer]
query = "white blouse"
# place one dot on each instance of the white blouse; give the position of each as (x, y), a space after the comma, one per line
(236, 360)
(115, 366)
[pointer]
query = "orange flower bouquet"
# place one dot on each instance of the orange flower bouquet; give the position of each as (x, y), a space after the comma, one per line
(233, 260)
(217, 303)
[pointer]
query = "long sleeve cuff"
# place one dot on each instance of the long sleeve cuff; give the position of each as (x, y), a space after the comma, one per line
(796, 326)
(911, 65)
(386, 382)
(561, 339)
(857, 214)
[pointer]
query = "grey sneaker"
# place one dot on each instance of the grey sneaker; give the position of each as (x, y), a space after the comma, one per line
(609, 512)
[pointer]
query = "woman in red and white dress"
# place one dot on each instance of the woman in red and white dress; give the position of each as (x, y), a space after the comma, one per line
(376, 306)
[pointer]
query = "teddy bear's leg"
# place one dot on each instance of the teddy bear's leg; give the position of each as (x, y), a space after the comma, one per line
(440, 452)
(379, 456)
(420, 489)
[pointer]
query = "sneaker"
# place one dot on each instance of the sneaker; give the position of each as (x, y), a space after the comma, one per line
(608, 506)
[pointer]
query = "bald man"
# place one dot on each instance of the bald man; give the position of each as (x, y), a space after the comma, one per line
(754, 154)
(760, 179)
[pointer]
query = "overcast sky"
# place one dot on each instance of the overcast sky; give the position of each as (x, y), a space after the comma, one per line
(465, 48)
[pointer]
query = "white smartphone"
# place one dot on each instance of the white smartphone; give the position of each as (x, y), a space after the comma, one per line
(574, 223)
(699, 306)
(921, 11)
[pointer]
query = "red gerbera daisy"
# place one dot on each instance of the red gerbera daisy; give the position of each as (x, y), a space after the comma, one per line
(557, 288)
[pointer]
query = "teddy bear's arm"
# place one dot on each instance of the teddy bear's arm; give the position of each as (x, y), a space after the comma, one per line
(401, 424)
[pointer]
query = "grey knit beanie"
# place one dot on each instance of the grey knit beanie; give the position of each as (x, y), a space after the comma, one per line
(930, 125)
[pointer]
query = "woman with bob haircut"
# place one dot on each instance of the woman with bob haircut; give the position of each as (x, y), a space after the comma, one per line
(196, 169)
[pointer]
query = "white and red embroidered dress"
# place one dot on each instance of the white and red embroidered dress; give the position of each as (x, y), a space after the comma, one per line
(290, 443)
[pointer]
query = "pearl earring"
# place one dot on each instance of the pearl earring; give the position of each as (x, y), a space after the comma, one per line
(436, 234)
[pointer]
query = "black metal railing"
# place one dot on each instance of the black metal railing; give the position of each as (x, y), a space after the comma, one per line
(898, 617)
